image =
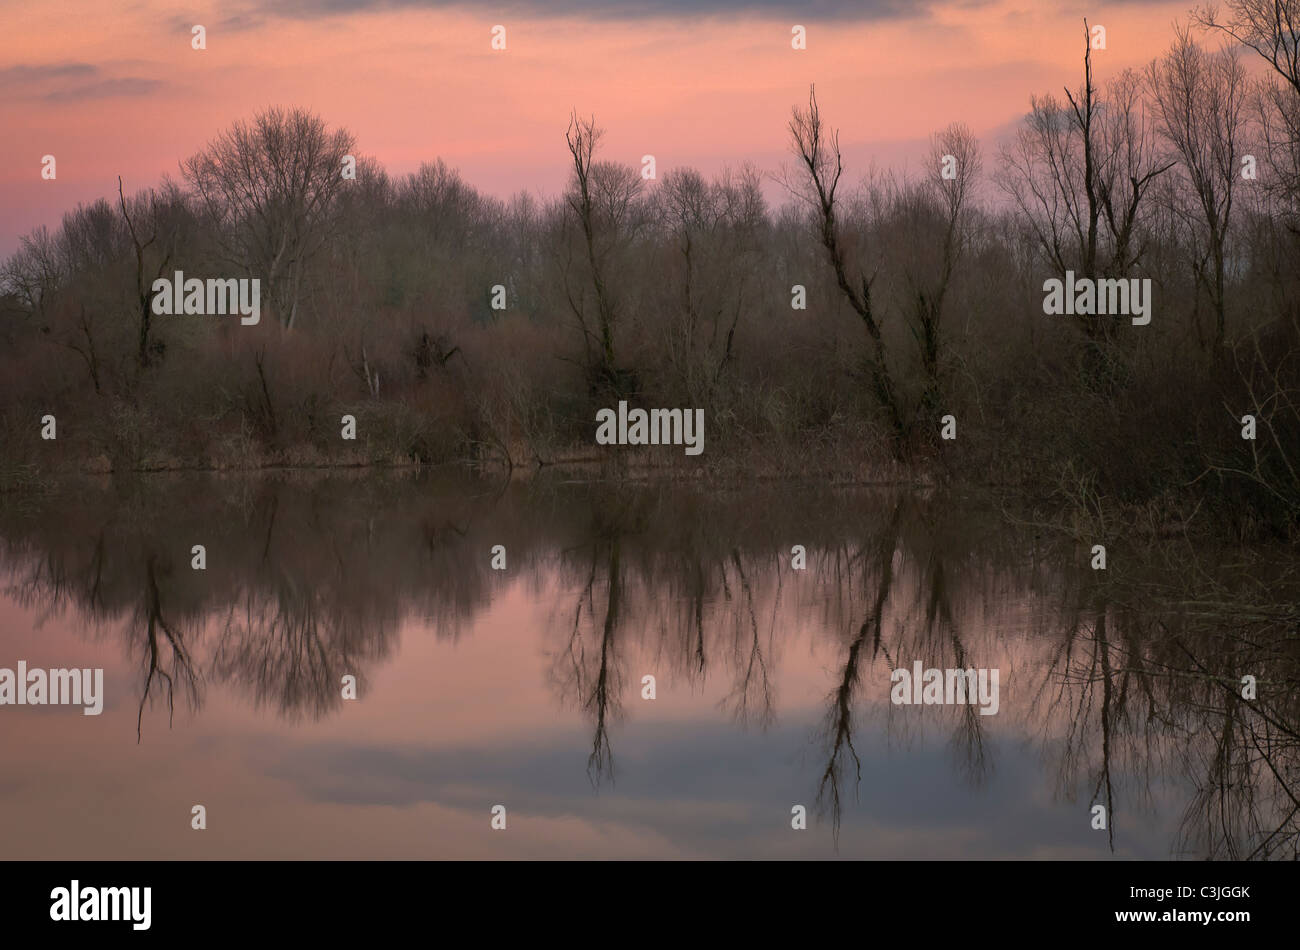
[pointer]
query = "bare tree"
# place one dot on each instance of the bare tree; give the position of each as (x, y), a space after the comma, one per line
(818, 149)
(153, 230)
(1083, 108)
(35, 272)
(1078, 174)
(953, 194)
(1269, 27)
(1200, 98)
(1051, 174)
(1128, 162)
(82, 342)
(601, 198)
(270, 189)
(714, 231)
(1277, 115)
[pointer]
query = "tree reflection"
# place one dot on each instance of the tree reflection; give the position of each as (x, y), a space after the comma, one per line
(1132, 678)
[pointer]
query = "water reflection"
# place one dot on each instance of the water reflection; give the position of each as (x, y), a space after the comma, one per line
(1120, 688)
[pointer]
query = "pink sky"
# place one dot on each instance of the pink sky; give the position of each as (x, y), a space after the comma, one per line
(114, 89)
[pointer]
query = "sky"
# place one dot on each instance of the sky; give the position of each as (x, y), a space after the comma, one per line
(117, 89)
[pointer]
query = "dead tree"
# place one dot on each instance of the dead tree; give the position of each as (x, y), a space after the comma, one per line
(818, 149)
(582, 137)
(143, 284)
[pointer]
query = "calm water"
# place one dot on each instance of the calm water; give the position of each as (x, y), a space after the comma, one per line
(523, 687)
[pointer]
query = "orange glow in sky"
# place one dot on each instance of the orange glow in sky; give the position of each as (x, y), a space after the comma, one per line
(113, 89)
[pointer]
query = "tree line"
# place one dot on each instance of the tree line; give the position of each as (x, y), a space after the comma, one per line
(830, 332)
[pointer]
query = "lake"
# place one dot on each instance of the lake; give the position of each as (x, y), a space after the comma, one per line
(771, 618)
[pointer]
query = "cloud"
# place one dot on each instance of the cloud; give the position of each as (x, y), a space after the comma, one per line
(126, 86)
(250, 18)
(19, 75)
(70, 82)
(809, 10)
(707, 789)
(843, 11)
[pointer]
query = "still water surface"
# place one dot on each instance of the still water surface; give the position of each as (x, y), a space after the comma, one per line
(524, 687)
